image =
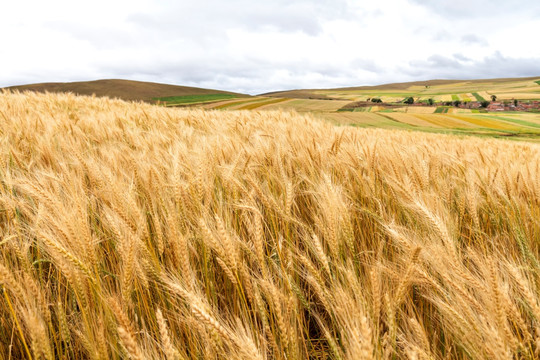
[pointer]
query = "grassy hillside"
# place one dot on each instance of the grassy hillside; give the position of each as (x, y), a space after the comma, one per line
(123, 89)
(136, 231)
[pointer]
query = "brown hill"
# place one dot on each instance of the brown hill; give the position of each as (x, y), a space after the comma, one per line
(123, 89)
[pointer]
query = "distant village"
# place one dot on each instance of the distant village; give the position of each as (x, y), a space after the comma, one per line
(494, 105)
(504, 106)
(507, 105)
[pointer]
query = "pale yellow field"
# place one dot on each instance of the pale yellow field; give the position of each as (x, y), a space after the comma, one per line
(351, 96)
(443, 98)
(533, 118)
(485, 95)
(481, 121)
(410, 118)
(232, 104)
(518, 95)
(275, 106)
(450, 121)
(357, 118)
(307, 105)
(460, 111)
(420, 109)
(433, 120)
(245, 103)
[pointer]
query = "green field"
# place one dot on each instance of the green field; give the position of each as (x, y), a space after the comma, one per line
(441, 110)
(478, 96)
(193, 99)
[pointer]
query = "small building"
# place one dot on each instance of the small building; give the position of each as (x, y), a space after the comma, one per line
(495, 106)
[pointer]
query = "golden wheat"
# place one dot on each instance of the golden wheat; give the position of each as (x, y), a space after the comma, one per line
(132, 230)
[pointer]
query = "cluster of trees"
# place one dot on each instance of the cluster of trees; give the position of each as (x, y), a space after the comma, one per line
(483, 103)
(409, 100)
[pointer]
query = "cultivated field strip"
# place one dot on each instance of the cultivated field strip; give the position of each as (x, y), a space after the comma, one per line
(235, 104)
(312, 105)
(412, 119)
(418, 109)
(363, 119)
(143, 232)
(262, 103)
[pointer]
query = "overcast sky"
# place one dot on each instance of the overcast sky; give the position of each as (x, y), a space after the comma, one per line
(255, 46)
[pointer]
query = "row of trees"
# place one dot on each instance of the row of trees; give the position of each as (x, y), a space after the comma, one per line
(410, 100)
(456, 103)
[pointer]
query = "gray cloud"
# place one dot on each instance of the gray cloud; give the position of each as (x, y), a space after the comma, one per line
(101, 37)
(183, 18)
(461, 57)
(473, 39)
(367, 65)
(251, 75)
(493, 66)
(442, 35)
(254, 47)
(481, 8)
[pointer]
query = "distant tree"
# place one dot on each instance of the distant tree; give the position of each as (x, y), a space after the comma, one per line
(376, 100)
(484, 103)
(515, 102)
(448, 103)
(457, 103)
(368, 99)
(409, 100)
(493, 97)
(430, 101)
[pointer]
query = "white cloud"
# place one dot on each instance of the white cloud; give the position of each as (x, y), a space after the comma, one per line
(257, 46)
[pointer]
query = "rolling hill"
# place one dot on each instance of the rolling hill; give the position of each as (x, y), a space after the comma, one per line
(441, 83)
(123, 89)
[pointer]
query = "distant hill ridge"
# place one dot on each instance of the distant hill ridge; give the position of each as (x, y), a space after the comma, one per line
(131, 90)
(435, 82)
(309, 93)
(128, 90)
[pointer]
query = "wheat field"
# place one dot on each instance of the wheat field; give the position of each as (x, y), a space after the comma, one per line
(134, 231)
